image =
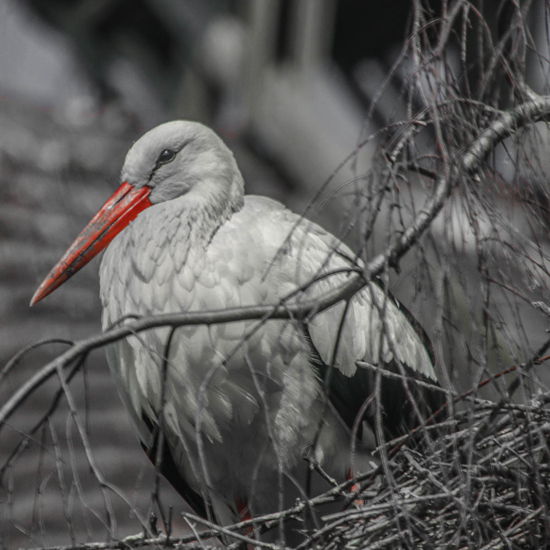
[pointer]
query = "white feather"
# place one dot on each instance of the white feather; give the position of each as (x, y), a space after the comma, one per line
(257, 401)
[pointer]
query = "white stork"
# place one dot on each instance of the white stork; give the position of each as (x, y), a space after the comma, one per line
(239, 416)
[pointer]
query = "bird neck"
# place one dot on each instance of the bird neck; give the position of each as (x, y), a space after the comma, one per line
(202, 224)
(208, 206)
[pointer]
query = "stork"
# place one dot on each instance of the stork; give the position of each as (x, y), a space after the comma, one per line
(239, 415)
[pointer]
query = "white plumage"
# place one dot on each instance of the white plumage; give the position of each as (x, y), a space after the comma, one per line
(237, 413)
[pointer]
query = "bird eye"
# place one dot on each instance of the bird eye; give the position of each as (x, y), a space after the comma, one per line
(166, 156)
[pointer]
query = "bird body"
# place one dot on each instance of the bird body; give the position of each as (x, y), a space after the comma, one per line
(240, 405)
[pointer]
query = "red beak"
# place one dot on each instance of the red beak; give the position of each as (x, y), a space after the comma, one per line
(121, 208)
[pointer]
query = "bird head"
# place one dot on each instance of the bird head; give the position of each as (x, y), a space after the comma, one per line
(184, 158)
(177, 160)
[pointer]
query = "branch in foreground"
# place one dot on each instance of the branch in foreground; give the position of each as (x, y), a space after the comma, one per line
(267, 522)
(505, 124)
(505, 477)
(302, 310)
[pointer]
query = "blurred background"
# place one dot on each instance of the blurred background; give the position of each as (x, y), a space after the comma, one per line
(293, 86)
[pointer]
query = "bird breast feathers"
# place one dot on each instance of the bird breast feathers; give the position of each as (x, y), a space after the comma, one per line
(259, 256)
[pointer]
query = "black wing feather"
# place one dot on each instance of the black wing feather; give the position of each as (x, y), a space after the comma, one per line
(348, 394)
(171, 472)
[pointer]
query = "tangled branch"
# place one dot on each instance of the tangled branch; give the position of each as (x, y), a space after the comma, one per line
(504, 125)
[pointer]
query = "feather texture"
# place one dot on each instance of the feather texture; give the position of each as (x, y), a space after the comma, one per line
(237, 411)
(264, 395)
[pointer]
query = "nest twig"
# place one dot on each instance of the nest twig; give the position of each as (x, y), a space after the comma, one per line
(469, 491)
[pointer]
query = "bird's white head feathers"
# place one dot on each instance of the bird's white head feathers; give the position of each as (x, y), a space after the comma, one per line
(183, 158)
